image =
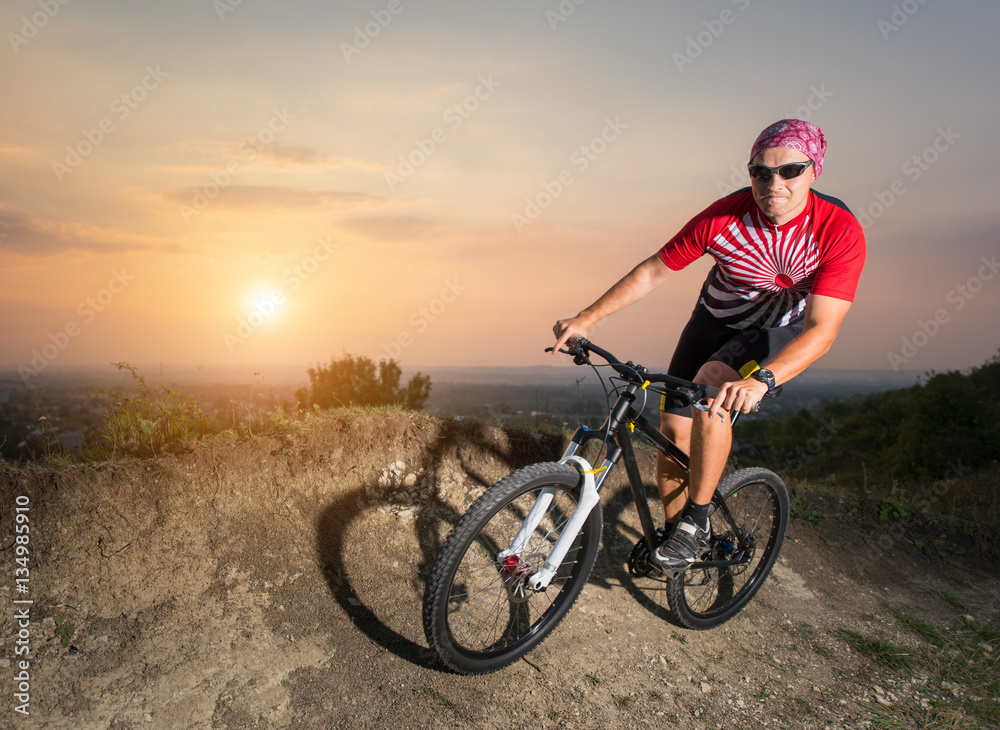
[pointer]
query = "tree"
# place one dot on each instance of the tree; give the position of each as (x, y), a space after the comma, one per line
(359, 381)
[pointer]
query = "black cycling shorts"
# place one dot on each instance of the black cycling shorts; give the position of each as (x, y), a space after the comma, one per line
(706, 339)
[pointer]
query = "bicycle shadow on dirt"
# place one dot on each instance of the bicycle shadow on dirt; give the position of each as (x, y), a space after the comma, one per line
(620, 536)
(465, 445)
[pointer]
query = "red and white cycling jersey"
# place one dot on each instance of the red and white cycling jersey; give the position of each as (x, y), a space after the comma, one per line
(764, 273)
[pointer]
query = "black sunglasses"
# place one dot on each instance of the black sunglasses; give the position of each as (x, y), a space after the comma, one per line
(785, 172)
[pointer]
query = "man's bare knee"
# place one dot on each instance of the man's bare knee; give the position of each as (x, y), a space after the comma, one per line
(716, 373)
(676, 428)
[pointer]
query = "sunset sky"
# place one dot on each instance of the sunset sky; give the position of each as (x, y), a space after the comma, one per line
(253, 183)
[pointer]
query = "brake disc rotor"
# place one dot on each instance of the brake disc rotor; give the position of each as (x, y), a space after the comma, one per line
(517, 582)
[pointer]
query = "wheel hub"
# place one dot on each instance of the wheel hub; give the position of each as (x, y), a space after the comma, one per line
(516, 571)
(727, 547)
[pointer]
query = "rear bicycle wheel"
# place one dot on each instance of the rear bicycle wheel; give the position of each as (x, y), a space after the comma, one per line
(479, 612)
(703, 598)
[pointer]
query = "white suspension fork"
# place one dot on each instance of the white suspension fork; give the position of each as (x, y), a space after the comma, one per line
(589, 498)
(541, 506)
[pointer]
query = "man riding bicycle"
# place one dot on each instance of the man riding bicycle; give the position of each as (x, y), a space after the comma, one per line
(787, 264)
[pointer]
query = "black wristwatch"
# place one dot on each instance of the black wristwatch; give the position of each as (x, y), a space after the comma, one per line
(767, 378)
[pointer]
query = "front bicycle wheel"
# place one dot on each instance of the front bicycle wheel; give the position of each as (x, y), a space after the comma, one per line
(479, 612)
(704, 597)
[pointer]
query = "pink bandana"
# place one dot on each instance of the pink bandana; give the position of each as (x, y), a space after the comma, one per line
(796, 134)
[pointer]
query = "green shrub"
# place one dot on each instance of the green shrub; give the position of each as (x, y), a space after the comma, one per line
(358, 381)
(151, 423)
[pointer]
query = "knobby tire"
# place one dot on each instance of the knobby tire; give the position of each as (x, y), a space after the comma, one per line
(703, 598)
(479, 614)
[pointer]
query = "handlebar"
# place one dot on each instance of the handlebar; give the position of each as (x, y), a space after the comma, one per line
(694, 393)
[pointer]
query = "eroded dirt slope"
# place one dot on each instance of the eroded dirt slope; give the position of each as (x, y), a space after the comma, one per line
(278, 583)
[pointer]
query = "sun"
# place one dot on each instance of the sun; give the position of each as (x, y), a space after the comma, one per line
(265, 304)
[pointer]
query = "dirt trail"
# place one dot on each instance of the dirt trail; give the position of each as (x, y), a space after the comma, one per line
(278, 583)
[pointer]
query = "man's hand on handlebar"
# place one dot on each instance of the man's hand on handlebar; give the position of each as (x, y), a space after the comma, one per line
(738, 395)
(564, 329)
(730, 396)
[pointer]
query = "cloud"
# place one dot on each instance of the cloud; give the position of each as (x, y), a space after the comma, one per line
(258, 198)
(391, 228)
(13, 149)
(298, 156)
(211, 154)
(439, 239)
(288, 156)
(33, 236)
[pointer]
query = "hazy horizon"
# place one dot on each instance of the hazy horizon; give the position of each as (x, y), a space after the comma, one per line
(283, 374)
(244, 184)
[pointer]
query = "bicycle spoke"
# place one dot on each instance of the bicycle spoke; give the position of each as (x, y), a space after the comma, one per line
(458, 629)
(764, 504)
(469, 604)
(705, 597)
(491, 610)
(480, 613)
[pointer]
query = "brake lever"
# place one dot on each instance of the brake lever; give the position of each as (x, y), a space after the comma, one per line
(564, 352)
(695, 401)
(702, 407)
(579, 356)
(720, 414)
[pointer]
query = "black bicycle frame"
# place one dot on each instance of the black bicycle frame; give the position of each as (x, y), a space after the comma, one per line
(616, 433)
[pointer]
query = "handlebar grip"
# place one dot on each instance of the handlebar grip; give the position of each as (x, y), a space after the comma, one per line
(711, 391)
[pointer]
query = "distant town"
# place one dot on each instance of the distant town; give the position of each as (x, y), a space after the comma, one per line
(60, 410)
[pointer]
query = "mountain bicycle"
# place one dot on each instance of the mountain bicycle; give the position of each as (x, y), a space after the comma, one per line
(517, 560)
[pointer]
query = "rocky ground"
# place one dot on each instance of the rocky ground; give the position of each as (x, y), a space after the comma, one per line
(278, 583)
